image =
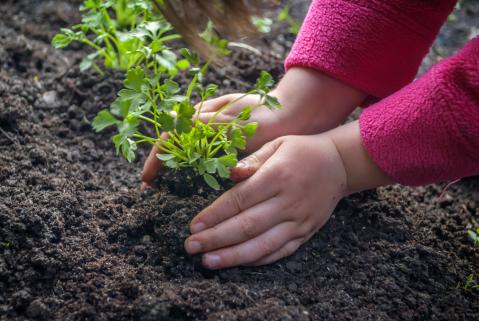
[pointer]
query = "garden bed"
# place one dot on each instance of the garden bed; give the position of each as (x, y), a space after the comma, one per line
(79, 241)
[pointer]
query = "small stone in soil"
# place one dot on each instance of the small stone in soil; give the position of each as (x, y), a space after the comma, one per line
(37, 309)
(51, 99)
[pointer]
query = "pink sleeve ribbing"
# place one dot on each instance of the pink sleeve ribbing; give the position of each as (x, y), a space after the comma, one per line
(429, 131)
(373, 45)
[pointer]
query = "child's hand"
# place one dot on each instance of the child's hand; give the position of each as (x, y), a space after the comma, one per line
(297, 182)
(294, 184)
(312, 103)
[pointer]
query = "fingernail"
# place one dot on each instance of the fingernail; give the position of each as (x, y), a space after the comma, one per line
(211, 261)
(144, 186)
(241, 165)
(198, 227)
(193, 247)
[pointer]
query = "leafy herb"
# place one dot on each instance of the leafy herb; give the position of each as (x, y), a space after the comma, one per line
(263, 24)
(211, 37)
(474, 236)
(7, 244)
(210, 149)
(124, 34)
(471, 284)
(294, 25)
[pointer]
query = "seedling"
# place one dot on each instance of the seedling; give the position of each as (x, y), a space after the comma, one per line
(7, 244)
(294, 25)
(471, 283)
(124, 34)
(263, 24)
(210, 149)
(474, 236)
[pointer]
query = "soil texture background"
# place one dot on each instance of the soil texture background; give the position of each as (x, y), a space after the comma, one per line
(78, 241)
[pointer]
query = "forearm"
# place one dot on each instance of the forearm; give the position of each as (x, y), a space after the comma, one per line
(313, 102)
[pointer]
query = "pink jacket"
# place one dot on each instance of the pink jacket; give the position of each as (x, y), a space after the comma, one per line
(420, 132)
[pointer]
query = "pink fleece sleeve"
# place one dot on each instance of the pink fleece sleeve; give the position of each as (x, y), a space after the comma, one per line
(429, 130)
(372, 45)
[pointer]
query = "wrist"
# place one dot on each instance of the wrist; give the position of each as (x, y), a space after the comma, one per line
(361, 172)
(314, 102)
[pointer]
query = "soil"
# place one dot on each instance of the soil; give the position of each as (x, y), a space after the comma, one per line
(79, 241)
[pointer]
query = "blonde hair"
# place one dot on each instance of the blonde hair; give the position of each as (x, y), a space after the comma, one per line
(231, 18)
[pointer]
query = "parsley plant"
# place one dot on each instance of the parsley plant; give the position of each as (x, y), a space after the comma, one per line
(210, 149)
(124, 34)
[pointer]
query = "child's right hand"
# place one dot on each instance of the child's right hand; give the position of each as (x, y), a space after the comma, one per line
(312, 103)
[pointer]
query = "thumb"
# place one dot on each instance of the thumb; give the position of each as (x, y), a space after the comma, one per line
(248, 166)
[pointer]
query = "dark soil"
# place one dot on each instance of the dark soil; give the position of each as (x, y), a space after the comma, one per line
(78, 241)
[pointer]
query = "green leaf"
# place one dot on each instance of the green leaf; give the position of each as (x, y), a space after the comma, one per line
(206, 130)
(193, 158)
(167, 105)
(152, 27)
(120, 107)
(237, 139)
(245, 114)
(229, 160)
(61, 41)
(171, 88)
(210, 165)
(86, 64)
(165, 157)
(126, 146)
(223, 171)
(135, 98)
(157, 46)
(250, 129)
(93, 19)
(265, 82)
(183, 125)
(295, 27)
(272, 102)
(167, 59)
(103, 120)
(89, 61)
(129, 126)
(192, 58)
(283, 14)
(135, 78)
(183, 64)
(185, 110)
(473, 236)
(210, 91)
(211, 181)
(171, 164)
(263, 24)
(167, 122)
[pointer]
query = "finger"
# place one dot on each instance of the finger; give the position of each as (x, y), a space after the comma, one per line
(239, 198)
(214, 104)
(251, 164)
(152, 166)
(243, 195)
(285, 251)
(240, 228)
(252, 250)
